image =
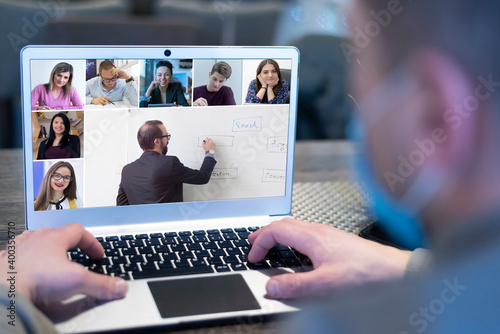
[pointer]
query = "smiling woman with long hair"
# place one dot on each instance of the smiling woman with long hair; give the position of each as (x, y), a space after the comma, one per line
(268, 85)
(58, 190)
(58, 93)
(60, 144)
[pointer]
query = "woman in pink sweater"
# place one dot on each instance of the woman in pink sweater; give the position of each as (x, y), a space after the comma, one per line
(58, 93)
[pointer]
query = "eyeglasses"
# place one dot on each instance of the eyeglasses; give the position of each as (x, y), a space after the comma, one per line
(58, 176)
(109, 80)
(168, 136)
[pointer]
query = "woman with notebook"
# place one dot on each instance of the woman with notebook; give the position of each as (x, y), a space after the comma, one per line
(58, 93)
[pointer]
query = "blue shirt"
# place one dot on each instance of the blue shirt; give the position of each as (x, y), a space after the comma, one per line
(94, 88)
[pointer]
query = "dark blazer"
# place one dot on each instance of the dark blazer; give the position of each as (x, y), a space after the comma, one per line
(173, 94)
(157, 178)
(73, 148)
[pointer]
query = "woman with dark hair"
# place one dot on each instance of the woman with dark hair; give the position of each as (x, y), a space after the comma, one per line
(161, 90)
(60, 144)
(58, 93)
(58, 190)
(268, 86)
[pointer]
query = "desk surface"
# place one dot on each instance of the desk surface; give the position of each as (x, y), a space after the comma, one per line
(321, 175)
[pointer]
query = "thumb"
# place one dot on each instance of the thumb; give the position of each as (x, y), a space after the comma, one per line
(103, 287)
(296, 285)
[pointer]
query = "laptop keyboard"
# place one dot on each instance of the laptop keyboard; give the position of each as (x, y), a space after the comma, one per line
(183, 253)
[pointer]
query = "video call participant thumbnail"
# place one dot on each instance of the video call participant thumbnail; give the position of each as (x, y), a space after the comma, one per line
(59, 92)
(215, 93)
(268, 86)
(58, 189)
(112, 85)
(162, 90)
(60, 144)
(156, 177)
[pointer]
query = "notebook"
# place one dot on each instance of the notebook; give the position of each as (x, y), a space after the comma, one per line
(184, 256)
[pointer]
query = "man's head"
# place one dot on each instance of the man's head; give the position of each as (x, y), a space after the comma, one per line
(221, 71)
(107, 73)
(426, 77)
(153, 136)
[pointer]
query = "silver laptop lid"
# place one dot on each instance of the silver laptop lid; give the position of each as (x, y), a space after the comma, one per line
(255, 141)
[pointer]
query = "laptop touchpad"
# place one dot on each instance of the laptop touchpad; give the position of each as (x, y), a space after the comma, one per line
(203, 295)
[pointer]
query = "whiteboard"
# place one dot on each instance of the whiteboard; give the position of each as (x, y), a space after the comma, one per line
(251, 149)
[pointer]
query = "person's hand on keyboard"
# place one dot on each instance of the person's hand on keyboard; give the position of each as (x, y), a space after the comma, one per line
(45, 275)
(340, 259)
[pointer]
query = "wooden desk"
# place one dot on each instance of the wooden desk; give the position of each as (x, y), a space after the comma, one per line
(315, 161)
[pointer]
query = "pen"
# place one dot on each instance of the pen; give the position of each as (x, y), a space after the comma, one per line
(109, 101)
(44, 103)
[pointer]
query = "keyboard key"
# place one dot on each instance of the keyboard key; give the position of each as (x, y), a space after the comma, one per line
(152, 242)
(164, 272)
(169, 241)
(185, 255)
(306, 262)
(199, 232)
(83, 262)
(200, 238)
(112, 238)
(292, 262)
(240, 229)
(119, 244)
(178, 248)
(185, 233)
(165, 264)
(233, 251)
(279, 247)
(106, 245)
(127, 237)
(230, 236)
(181, 263)
(226, 230)
(231, 259)
(118, 259)
(215, 260)
(169, 256)
(136, 243)
(141, 236)
(198, 262)
(277, 263)
(156, 235)
(112, 252)
(145, 250)
(258, 265)
(222, 268)
(225, 244)
(215, 237)
(113, 269)
(238, 266)
(209, 245)
(162, 248)
(184, 240)
(148, 266)
(243, 235)
(218, 252)
(130, 267)
(240, 243)
(136, 258)
(213, 231)
(193, 246)
(125, 276)
(170, 234)
(77, 255)
(129, 251)
(253, 228)
(152, 257)
(287, 254)
(245, 249)
(100, 239)
(201, 253)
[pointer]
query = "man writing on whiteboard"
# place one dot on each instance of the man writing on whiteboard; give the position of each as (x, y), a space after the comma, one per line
(156, 177)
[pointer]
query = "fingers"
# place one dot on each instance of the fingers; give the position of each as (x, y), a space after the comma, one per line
(23, 236)
(75, 235)
(297, 285)
(103, 287)
(287, 231)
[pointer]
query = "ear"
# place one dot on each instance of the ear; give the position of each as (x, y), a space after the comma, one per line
(450, 116)
(209, 74)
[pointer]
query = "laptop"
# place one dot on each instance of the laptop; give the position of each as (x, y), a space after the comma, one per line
(185, 261)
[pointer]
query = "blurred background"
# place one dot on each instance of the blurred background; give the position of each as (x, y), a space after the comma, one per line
(315, 27)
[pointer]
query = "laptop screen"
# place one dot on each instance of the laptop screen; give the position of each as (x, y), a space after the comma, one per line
(98, 128)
